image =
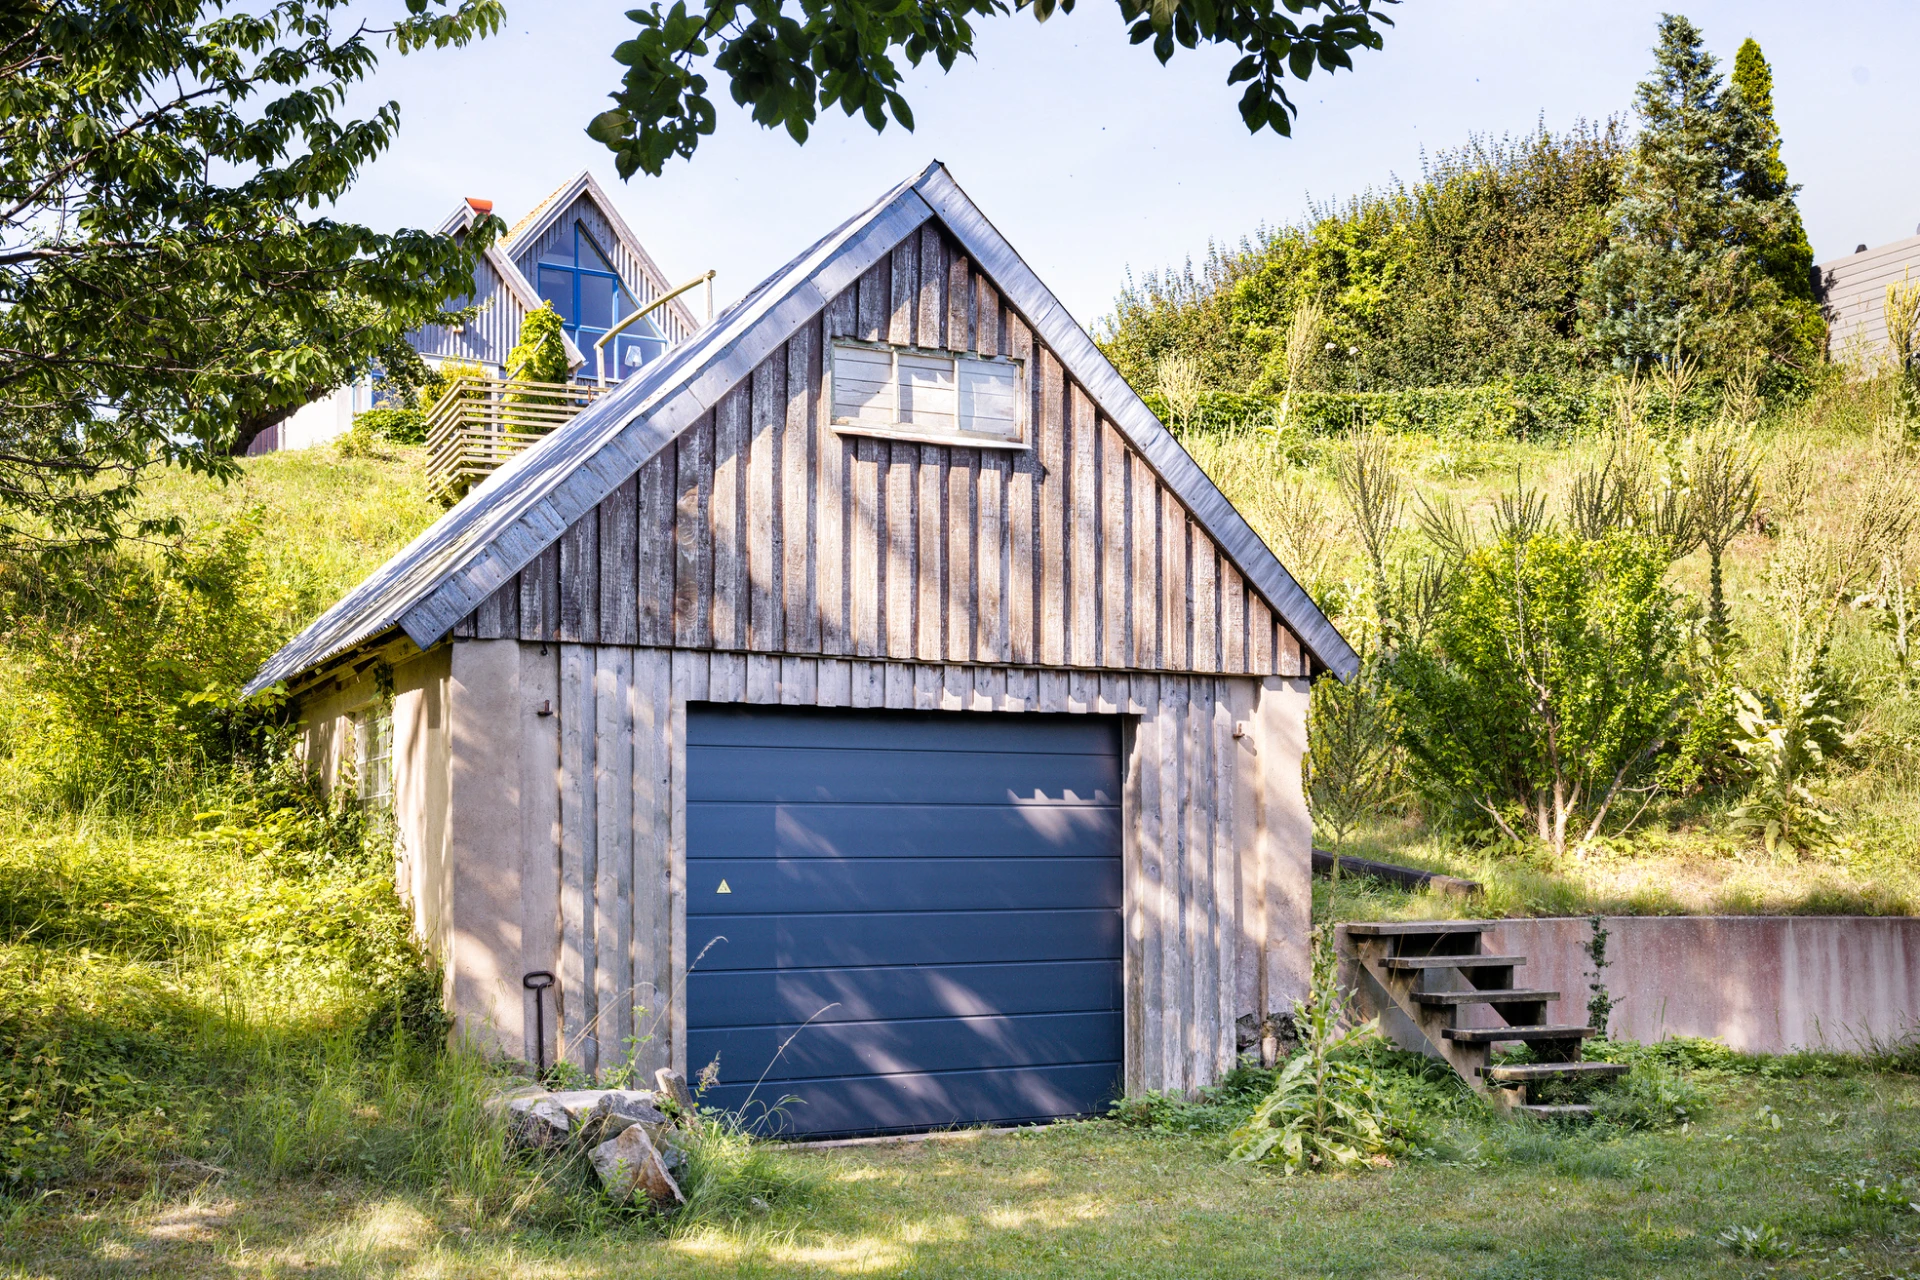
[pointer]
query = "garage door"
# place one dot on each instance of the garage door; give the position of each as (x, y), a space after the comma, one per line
(908, 921)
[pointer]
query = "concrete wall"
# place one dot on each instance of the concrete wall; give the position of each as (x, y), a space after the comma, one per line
(1761, 984)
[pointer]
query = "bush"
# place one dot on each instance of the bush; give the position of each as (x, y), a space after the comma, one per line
(399, 426)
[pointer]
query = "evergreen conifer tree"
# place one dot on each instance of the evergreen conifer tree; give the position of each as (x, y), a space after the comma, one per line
(1788, 256)
(1686, 266)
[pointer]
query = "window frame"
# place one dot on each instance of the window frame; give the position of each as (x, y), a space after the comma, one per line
(373, 746)
(643, 333)
(1021, 441)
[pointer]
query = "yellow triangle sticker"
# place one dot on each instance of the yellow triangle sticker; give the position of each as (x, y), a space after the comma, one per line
(723, 888)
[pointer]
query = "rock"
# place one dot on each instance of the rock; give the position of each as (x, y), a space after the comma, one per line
(538, 1122)
(674, 1085)
(630, 1163)
(617, 1109)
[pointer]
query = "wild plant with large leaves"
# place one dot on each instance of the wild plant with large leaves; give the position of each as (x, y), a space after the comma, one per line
(165, 292)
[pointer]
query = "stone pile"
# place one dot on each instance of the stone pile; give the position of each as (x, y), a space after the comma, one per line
(628, 1136)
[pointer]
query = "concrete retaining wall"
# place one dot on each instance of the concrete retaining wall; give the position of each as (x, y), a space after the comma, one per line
(1761, 984)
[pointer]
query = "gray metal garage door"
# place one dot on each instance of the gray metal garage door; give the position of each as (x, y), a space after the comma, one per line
(923, 909)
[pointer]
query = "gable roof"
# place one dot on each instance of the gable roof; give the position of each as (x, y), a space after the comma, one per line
(521, 509)
(585, 186)
(510, 276)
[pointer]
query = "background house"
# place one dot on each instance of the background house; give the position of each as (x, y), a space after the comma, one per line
(1854, 289)
(573, 250)
(875, 661)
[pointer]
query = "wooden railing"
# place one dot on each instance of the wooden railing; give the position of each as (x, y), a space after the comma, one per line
(478, 423)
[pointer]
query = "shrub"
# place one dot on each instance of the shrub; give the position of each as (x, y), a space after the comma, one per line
(400, 426)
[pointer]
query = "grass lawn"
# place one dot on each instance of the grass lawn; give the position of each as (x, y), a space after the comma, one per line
(1787, 1177)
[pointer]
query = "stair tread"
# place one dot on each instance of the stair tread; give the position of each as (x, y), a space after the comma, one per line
(1487, 995)
(1553, 1070)
(1538, 1031)
(1401, 928)
(1452, 962)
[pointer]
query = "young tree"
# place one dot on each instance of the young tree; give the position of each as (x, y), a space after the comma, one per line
(1784, 253)
(162, 300)
(788, 61)
(1696, 217)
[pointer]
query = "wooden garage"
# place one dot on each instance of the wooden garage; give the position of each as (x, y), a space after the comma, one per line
(876, 677)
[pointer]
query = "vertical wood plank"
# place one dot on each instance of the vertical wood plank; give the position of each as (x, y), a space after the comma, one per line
(498, 617)
(835, 688)
(655, 554)
(731, 421)
(1050, 444)
(764, 470)
(1203, 941)
(799, 541)
(1176, 947)
(867, 519)
(1115, 636)
(468, 628)
(876, 302)
(650, 708)
(763, 680)
(539, 596)
(1226, 881)
(962, 594)
(959, 304)
(1259, 636)
(906, 256)
(898, 694)
(930, 323)
(1287, 656)
(578, 868)
(613, 800)
(869, 685)
(1146, 563)
(540, 834)
(1022, 482)
(930, 594)
(1206, 605)
(989, 543)
(1133, 897)
(928, 686)
(579, 574)
(1082, 532)
(843, 313)
(685, 670)
(1233, 620)
(693, 537)
(1152, 922)
(620, 565)
(832, 456)
(1174, 604)
(727, 678)
(987, 313)
(898, 622)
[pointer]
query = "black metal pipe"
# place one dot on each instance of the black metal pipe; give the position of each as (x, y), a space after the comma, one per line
(537, 982)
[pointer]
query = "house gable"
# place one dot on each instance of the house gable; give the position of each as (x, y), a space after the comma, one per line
(583, 202)
(532, 509)
(762, 528)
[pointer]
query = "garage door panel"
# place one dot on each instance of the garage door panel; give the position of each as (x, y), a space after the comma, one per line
(900, 1046)
(1002, 735)
(871, 938)
(940, 894)
(819, 775)
(899, 1104)
(759, 886)
(1000, 830)
(757, 997)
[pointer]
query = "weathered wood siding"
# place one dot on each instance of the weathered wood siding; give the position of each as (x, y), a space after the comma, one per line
(762, 530)
(1215, 852)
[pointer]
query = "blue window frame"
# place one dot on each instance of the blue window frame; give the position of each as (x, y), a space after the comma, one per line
(576, 277)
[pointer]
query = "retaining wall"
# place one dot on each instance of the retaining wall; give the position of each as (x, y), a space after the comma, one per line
(1761, 984)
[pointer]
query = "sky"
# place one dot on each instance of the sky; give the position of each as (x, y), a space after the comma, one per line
(1096, 161)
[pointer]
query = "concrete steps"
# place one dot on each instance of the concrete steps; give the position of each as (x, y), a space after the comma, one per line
(1421, 976)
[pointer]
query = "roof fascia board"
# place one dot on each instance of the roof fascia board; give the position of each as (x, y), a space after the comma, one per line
(743, 340)
(1175, 467)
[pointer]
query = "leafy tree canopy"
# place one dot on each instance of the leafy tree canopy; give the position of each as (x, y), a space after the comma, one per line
(162, 300)
(1697, 214)
(789, 61)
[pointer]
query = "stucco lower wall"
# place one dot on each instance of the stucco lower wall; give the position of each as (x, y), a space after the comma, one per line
(1760, 984)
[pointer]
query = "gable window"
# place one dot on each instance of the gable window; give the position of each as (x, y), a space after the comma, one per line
(373, 759)
(580, 282)
(911, 393)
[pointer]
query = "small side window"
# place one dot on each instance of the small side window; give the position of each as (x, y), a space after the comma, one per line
(907, 393)
(373, 759)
